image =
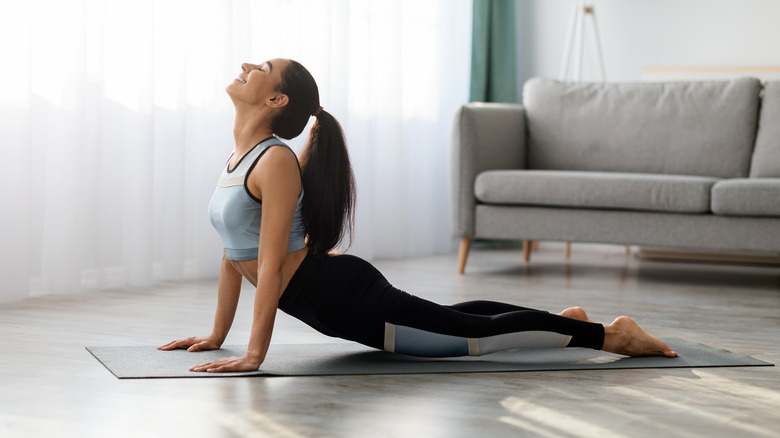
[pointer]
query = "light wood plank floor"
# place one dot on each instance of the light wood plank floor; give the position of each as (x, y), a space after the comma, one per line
(50, 386)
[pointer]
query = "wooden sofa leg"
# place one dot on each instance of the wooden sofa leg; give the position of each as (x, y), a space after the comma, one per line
(463, 254)
(527, 250)
(567, 251)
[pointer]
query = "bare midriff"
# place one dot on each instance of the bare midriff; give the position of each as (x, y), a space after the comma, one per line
(248, 268)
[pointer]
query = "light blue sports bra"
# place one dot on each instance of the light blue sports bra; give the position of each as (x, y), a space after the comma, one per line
(235, 213)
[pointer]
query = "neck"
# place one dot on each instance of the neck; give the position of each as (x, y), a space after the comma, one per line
(250, 128)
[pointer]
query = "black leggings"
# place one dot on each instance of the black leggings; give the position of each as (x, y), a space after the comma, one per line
(346, 297)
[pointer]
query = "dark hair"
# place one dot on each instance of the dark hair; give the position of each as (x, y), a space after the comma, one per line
(326, 173)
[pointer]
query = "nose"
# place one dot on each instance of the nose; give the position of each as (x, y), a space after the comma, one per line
(248, 67)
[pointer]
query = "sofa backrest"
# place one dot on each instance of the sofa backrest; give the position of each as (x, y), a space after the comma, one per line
(686, 128)
(766, 155)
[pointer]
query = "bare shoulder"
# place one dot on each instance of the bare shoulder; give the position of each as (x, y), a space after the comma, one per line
(278, 159)
(277, 169)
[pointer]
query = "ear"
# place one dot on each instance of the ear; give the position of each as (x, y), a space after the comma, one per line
(277, 101)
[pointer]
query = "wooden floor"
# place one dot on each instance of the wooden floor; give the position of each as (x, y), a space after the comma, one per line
(50, 386)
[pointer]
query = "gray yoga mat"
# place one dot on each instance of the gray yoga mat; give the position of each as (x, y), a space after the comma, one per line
(353, 359)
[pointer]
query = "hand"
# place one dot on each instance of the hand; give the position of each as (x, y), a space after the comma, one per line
(243, 363)
(193, 344)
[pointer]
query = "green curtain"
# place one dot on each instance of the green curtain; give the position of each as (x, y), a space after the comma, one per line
(493, 56)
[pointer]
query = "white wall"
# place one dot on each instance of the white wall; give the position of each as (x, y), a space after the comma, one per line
(640, 33)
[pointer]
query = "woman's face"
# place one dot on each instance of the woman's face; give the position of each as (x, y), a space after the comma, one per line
(258, 83)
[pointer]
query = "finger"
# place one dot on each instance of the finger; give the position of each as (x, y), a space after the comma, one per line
(199, 346)
(222, 367)
(166, 346)
(207, 365)
(173, 344)
(217, 364)
(201, 367)
(234, 365)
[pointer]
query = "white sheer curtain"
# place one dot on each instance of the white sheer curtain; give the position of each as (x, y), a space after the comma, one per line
(114, 124)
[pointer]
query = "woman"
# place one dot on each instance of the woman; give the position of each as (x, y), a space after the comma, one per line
(278, 221)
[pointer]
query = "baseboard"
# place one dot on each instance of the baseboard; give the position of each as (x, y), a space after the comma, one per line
(669, 254)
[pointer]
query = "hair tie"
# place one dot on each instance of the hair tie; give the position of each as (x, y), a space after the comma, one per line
(317, 112)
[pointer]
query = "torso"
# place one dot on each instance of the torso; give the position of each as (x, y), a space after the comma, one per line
(248, 268)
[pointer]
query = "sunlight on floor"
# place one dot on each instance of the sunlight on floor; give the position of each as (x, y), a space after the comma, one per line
(256, 425)
(709, 386)
(700, 401)
(531, 417)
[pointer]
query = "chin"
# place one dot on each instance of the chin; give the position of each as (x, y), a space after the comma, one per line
(229, 89)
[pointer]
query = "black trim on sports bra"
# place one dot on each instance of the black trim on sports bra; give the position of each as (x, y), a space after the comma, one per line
(246, 177)
(229, 170)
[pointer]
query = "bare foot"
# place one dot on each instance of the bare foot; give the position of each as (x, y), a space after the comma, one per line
(575, 313)
(624, 336)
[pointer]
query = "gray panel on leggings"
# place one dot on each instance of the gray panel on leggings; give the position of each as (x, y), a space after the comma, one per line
(416, 342)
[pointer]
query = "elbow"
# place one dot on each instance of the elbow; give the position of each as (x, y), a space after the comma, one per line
(227, 263)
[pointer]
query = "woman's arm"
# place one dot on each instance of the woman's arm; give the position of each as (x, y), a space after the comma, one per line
(227, 300)
(277, 180)
(228, 292)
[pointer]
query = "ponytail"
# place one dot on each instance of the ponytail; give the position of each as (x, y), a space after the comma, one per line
(329, 186)
(326, 173)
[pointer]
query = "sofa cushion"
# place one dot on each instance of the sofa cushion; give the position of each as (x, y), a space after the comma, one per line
(766, 156)
(693, 128)
(612, 190)
(747, 197)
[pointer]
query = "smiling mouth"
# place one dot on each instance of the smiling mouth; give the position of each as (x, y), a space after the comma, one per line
(243, 81)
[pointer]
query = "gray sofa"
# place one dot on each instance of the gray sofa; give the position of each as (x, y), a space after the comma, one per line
(689, 165)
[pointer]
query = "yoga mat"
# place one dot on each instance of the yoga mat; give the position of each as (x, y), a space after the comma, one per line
(354, 359)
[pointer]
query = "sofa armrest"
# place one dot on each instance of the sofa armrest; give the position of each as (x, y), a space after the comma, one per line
(484, 136)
